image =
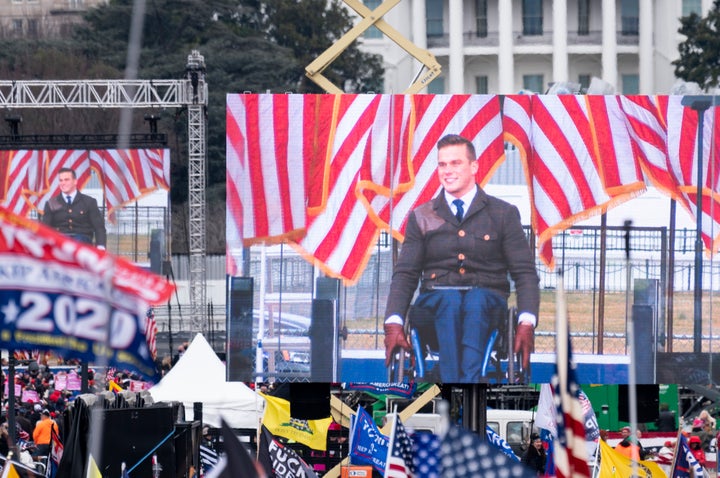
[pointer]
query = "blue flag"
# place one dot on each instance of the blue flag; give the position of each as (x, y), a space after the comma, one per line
(685, 461)
(465, 455)
(368, 445)
(498, 442)
(426, 454)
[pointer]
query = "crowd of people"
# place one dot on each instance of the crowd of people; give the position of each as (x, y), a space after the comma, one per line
(43, 394)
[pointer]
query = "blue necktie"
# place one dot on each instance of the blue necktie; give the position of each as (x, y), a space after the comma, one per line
(69, 199)
(459, 205)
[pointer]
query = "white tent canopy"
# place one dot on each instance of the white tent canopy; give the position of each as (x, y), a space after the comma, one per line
(199, 376)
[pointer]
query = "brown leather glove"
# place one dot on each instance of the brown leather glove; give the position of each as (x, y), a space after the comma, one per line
(394, 338)
(525, 343)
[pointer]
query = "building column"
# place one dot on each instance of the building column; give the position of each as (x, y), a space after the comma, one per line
(419, 28)
(506, 62)
(646, 50)
(560, 51)
(609, 44)
(419, 24)
(456, 83)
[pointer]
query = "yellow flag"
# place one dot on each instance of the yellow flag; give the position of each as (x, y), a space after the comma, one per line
(615, 465)
(9, 471)
(92, 469)
(277, 419)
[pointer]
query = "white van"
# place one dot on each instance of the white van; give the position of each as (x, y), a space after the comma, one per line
(513, 426)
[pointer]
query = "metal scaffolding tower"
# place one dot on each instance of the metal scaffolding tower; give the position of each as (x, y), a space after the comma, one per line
(190, 93)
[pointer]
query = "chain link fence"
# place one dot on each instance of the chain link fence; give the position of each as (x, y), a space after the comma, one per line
(595, 278)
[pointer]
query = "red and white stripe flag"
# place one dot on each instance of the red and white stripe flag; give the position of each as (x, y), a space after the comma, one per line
(129, 174)
(270, 147)
(570, 449)
(364, 161)
(430, 117)
(665, 134)
(576, 155)
(151, 332)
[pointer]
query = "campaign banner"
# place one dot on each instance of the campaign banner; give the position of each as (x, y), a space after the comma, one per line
(404, 390)
(498, 442)
(30, 396)
(81, 302)
(369, 445)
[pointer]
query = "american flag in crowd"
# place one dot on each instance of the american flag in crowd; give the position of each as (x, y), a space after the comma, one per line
(426, 454)
(463, 454)
(151, 332)
(570, 449)
(399, 463)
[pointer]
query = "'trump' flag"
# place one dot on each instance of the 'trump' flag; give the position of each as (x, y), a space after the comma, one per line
(498, 442)
(685, 461)
(368, 446)
(570, 448)
(94, 304)
(278, 421)
(399, 463)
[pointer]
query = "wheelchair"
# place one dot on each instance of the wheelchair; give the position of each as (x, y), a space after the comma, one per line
(500, 364)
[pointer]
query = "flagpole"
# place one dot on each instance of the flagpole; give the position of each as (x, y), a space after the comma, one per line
(632, 372)
(675, 450)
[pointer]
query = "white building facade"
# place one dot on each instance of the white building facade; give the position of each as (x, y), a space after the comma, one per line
(507, 46)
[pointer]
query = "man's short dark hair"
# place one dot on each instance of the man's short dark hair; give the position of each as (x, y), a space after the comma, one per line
(68, 170)
(454, 140)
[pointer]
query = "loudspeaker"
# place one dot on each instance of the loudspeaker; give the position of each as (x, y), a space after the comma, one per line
(648, 403)
(128, 435)
(321, 334)
(644, 343)
(327, 288)
(239, 327)
(309, 401)
(157, 246)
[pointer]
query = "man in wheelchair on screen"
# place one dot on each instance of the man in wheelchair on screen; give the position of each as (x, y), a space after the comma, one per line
(460, 247)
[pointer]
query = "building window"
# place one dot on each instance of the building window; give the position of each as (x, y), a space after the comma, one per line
(17, 26)
(532, 17)
(372, 32)
(583, 17)
(481, 85)
(630, 84)
(437, 86)
(534, 83)
(584, 81)
(32, 28)
(629, 17)
(434, 13)
(481, 29)
(691, 6)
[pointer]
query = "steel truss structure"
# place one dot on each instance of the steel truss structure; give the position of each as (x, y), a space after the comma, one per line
(190, 93)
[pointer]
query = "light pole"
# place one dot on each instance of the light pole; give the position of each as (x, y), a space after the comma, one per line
(700, 104)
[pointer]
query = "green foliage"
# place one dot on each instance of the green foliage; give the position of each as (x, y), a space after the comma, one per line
(700, 53)
(248, 45)
(308, 28)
